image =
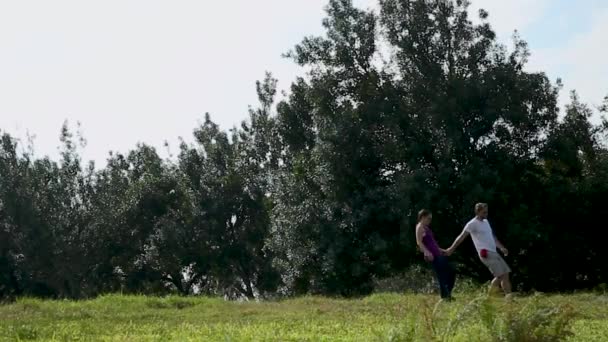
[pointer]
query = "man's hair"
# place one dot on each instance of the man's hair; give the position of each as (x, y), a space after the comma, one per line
(480, 206)
(423, 213)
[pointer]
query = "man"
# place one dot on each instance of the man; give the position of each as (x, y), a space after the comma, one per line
(485, 242)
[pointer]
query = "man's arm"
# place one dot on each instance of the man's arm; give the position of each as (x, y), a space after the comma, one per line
(501, 246)
(458, 241)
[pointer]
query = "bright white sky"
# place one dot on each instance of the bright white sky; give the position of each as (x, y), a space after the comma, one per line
(146, 71)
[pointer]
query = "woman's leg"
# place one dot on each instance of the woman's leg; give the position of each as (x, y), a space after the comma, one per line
(451, 278)
(443, 278)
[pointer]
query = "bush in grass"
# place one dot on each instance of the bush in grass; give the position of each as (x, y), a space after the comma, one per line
(536, 321)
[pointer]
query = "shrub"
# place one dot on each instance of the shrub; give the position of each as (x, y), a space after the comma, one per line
(535, 322)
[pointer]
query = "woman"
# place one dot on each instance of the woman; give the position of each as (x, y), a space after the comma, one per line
(435, 255)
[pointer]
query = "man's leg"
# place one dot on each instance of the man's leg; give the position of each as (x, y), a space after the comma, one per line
(505, 283)
(494, 286)
(501, 271)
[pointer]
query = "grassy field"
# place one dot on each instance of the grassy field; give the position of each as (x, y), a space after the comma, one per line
(382, 317)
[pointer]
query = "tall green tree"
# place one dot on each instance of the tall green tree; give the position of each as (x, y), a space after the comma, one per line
(336, 126)
(14, 210)
(461, 134)
(372, 142)
(229, 179)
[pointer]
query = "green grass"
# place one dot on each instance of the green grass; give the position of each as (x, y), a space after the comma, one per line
(382, 317)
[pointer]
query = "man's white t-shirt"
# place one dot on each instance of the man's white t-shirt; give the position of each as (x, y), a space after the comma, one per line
(482, 235)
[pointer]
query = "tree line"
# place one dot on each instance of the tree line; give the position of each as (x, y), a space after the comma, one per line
(411, 106)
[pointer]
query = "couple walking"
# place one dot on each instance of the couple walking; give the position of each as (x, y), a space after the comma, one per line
(484, 240)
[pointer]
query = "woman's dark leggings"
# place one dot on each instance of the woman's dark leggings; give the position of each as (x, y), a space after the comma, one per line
(445, 275)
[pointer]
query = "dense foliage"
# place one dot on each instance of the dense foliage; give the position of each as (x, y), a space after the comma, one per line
(411, 106)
